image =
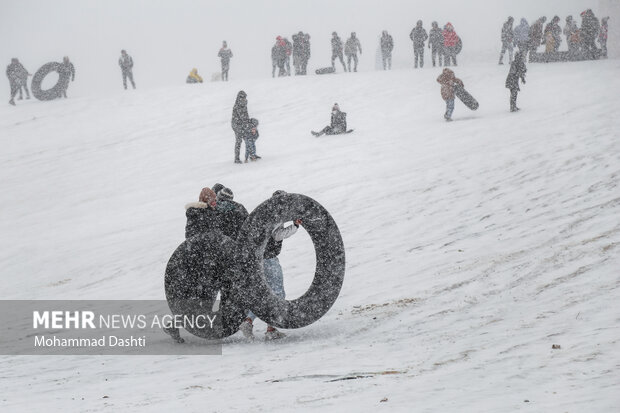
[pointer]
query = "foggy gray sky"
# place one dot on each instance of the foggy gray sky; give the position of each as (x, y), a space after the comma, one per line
(167, 38)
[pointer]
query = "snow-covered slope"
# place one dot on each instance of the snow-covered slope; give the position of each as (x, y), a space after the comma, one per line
(472, 246)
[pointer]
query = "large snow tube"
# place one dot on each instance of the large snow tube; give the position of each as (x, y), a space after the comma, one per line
(197, 270)
(56, 91)
(249, 284)
(459, 45)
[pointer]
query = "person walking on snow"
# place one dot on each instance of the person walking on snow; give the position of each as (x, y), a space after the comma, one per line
(337, 49)
(418, 36)
(350, 49)
(387, 45)
(126, 64)
(522, 36)
(231, 214)
(517, 71)
(571, 33)
(273, 274)
(435, 43)
(507, 40)
(18, 78)
(536, 35)
(225, 54)
(448, 82)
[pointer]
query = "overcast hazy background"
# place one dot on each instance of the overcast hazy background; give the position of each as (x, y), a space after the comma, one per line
(167, 38)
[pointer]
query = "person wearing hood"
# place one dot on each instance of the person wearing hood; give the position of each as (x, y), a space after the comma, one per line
(240, 122)
(193, 77)
(450, 40)
(387, 45)
(297, 52)
(201, 215)
(225, 54)
(508, 39)
(126, 64)
(571, 31)
(18, 78)
(274, 276)
(602, 36)
(448, 82)
(231, 214)
(250, 141)
(350, 49)
(536, 34)
(522, 36)
(553, 35)
(337, 49)
(435, 43)
(517, 71)
(338, 123)
(418, 36)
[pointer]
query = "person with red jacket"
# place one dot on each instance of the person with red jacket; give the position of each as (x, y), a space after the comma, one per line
(450, 40)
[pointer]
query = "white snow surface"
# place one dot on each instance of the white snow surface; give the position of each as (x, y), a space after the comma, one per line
(472, 247)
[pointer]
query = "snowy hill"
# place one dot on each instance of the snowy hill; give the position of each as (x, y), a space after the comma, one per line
(472, 246)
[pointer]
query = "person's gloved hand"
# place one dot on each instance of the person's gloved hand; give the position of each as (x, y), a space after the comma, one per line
(297, 222)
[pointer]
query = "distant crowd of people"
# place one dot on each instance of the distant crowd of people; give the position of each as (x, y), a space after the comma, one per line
(581, 41)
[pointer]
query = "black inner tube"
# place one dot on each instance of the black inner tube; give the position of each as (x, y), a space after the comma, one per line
(197, 270)
(56, 91)
(249, 287)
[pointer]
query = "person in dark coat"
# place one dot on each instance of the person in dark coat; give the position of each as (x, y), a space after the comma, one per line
(274, 60)
(387, 45)
(418, 35)
(602, 37)
(572, 35)
(126, 64)
(508, 39)
(202, 215)
(522, 36)
(337, 50)
(590, 27)
(448, 82)
(68, 70)
(536, 34)
(553, 35)
(338, 123)
(18, 78)
(240, 121)
(280, 54)
(288, 50)
(435, 43)
(350, 49)
(225, 54)
(250, 141)
(231, 214)
(517, 71)
(305, 53)
(298, 40)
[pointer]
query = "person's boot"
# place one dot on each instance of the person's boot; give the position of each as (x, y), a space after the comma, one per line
(246, 328)
(238, 160)
(273, 334)
(174, 333)
(12, 102)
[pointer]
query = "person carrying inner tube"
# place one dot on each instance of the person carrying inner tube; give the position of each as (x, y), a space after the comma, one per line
(66, 70)
(273, 274)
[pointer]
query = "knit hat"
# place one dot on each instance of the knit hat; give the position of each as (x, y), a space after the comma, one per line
(217, 187)
(225, 194)
(207, 196)
(279, 192)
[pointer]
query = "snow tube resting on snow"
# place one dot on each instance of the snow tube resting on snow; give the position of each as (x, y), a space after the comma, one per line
(197, 270)
(249, 286)
(54, 92)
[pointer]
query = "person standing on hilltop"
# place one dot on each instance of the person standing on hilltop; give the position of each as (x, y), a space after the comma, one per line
(225, 54)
